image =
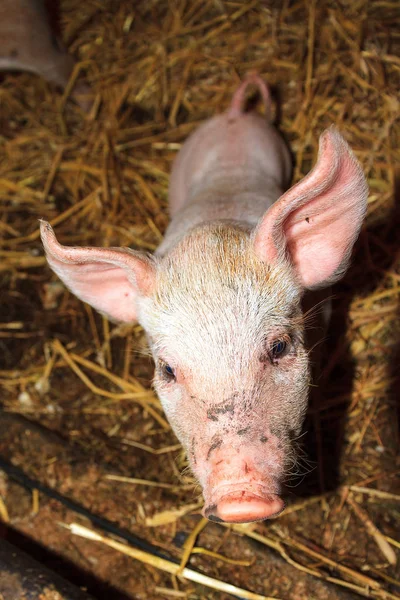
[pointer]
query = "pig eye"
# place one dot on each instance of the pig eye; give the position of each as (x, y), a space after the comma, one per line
(279, 349)
(167, 371)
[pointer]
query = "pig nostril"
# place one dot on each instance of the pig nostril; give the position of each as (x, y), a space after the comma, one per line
(210, 509)
(209, 513)
(215, 519)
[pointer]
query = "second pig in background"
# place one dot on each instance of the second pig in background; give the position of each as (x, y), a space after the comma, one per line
(28, 42)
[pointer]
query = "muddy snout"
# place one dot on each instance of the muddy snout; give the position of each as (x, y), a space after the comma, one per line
(238, 489)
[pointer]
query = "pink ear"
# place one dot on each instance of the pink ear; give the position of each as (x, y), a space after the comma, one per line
(110, 279)
(318, 220)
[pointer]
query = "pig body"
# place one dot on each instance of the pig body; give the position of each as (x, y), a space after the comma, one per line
(233, 167)
(221, 299)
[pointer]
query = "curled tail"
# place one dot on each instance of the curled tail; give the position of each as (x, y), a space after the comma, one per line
(238, 103)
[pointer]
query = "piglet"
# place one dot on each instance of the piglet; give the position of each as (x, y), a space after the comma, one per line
(220, 300)
(28, 43)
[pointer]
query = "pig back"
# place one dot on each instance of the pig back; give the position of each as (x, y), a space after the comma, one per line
(230, 155)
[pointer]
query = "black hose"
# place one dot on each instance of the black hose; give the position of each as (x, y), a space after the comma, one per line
(19, 476)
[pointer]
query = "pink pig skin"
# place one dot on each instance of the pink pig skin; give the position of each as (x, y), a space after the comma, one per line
(221, 299)
(233, 167)
(27, 43)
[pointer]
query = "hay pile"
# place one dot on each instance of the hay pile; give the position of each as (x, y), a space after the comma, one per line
(157, 69)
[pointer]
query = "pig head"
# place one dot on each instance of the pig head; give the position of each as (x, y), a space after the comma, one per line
(221, 299)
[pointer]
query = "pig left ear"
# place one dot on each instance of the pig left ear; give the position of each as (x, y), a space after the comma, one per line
(109, 279)
(317, 221)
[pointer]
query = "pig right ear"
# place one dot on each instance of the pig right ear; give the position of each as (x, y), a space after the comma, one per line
(109, 279)
(316, 222)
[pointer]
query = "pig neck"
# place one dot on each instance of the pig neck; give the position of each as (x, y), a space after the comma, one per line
(226, 195)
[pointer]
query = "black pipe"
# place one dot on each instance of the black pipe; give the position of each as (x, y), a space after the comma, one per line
(31, 484)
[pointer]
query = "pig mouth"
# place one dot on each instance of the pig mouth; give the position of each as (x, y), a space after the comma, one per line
(241, 503)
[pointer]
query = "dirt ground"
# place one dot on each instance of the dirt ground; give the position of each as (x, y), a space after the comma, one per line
(76, 397)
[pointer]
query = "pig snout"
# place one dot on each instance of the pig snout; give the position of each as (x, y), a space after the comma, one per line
(244, 507)
(240, 483)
